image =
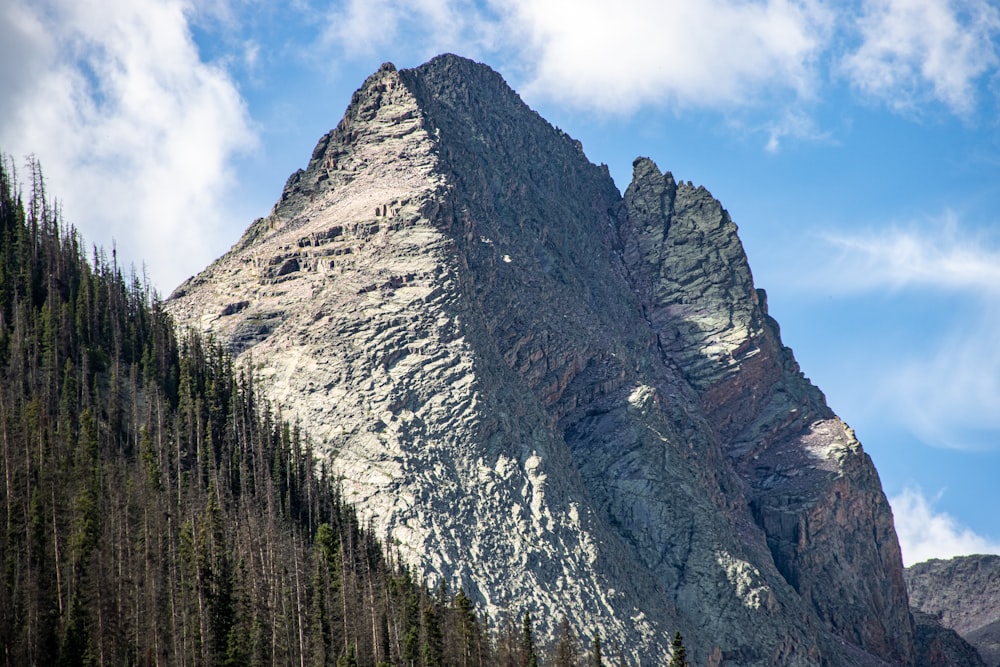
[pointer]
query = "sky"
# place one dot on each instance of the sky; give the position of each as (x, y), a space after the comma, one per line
(856, 143)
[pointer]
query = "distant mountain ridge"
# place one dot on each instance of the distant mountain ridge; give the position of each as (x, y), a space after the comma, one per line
(568, 401)
(962, 594)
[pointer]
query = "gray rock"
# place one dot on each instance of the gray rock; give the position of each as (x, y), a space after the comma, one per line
(567, 402)
(962, 594)
(938, 646)
(809, 485)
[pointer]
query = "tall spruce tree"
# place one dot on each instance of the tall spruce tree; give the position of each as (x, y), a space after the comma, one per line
(678, 654)
(529, 658)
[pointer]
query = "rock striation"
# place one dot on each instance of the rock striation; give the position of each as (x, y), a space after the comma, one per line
(808, 483)
(565, 400)
(962, 594)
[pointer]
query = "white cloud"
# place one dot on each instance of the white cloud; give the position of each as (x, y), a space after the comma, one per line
(925, 533)
(715, 53)
(793, 125)
(134, 132)
(612, 57)
(428, 27)
(913, 50)
(938, 256)
(720, 55)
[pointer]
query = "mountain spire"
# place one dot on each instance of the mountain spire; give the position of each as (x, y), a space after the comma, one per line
(559, 399)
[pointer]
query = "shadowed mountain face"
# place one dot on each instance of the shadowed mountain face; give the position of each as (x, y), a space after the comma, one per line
(568, 401)
(962, 594)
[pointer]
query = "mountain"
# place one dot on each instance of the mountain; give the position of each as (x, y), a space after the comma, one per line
(570, 401)
(963, 594)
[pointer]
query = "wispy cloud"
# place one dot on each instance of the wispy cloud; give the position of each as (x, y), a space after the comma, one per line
(135, 132)
(912, 51)
(947, 392)
(926, 533)
(611, 57)
(427, 27)
(796, 125)
(951, 397)
(937, 255)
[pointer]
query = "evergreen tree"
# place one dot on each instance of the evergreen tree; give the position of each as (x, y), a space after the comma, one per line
(566, 648)
(528, 656)
(468, 630)
(678, 654)
(432, 649)
(595, 651)
(154, 509)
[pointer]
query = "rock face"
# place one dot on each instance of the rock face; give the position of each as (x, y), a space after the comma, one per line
(938, 646)
(962, 594)
(808, 482)
(567, 401)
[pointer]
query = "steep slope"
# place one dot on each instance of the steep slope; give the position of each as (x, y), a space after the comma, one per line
(809, 484)
(566, 402)
(964, 595)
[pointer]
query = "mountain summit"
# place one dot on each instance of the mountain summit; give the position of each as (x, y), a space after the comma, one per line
(567, 401)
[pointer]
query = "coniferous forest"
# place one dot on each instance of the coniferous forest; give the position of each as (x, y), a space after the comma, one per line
(156, 510)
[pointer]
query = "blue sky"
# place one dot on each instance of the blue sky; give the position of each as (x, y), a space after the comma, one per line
(855, 143)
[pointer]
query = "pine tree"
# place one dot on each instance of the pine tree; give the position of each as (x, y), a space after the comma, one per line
(432, 649)
(528, 656)
(678, 654)
(566, 648)
(595, 651)
(468, 629)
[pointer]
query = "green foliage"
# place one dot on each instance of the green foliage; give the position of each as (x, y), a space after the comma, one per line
(348, 659)
(678, 654)
(529, 658)
(154, 509)
(432, 651)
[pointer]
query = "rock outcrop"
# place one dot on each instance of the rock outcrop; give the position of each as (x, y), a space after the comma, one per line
(567, 401)
(962, 594)
(938, 646)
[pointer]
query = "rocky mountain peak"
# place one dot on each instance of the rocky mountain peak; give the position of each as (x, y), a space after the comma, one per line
(567, 401)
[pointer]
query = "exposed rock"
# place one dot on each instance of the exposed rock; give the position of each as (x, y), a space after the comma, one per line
(963, 594)
(938, 646)
(809, 484)
(563, 401)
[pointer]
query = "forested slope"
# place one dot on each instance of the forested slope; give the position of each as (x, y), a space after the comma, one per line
(154, 509)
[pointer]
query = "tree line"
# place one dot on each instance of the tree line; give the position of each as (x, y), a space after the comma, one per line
(157, 511)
